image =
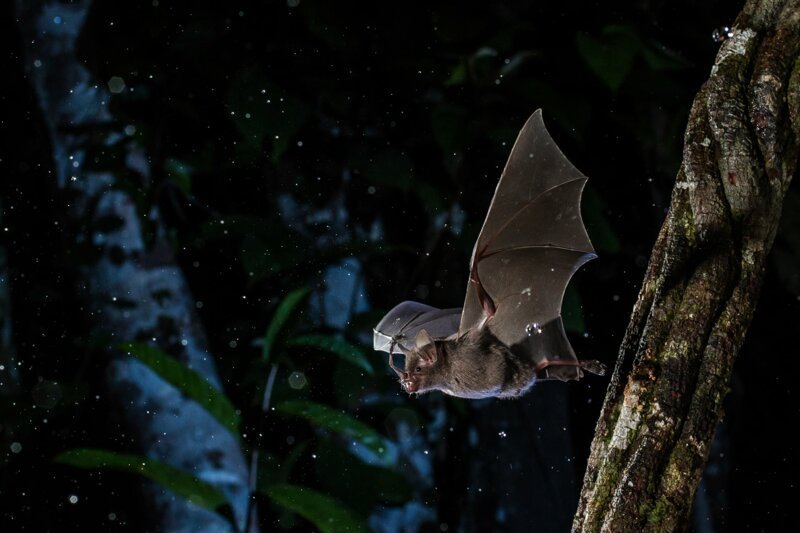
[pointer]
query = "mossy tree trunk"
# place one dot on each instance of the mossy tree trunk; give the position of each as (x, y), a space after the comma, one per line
(666, 394)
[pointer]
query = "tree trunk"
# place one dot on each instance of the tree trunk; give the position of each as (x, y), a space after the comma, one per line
(665, 397)
(131, 291)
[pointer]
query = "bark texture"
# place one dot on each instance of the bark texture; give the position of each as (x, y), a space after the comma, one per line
(131, 290)
(665, 397)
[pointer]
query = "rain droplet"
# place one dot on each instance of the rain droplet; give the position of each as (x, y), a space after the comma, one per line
(721, 34)
(116, 84)
(533, 329)
(297, 380)
(16, 447)
(73, 498)
(46, 394)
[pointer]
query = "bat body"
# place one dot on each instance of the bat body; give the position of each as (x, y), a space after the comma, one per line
(509, 332)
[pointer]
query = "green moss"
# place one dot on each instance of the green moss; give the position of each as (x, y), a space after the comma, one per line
(658, 511)
(612, 420)
(603, 492)
(686, 223)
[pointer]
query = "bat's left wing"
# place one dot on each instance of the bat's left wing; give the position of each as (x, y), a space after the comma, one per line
(397, 331)
(532, 242)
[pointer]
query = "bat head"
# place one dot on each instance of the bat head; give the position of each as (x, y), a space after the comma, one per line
(419, 364)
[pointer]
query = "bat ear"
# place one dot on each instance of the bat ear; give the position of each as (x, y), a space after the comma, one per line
(423, 339)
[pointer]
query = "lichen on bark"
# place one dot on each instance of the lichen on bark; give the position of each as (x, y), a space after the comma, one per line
(696, 302)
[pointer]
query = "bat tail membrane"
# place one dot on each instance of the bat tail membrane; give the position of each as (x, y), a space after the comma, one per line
(554, 357)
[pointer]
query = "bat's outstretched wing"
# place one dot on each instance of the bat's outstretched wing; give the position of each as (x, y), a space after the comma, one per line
(398, 330)
(532, 242)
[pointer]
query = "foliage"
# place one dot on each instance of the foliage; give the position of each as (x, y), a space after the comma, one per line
(287, 306)
(327, 514)
(173, 479)
(188, 382)
(335, 345)
(323, 511)
(325, 417)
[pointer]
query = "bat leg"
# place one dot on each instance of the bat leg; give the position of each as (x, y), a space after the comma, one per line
(594, 366)
(488, 305)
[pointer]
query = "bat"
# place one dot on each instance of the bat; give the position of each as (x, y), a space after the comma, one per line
(509, 333)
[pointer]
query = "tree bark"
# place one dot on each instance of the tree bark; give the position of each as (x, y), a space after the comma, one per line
(665, 397)
(131, 290)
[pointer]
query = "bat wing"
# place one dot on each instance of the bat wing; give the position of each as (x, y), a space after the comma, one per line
(398, 329)
(532, 242)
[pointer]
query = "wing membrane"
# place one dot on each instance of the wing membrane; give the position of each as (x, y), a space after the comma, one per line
(532, 242)
(401, 325)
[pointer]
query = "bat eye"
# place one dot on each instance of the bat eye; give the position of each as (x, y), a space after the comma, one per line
(418, 369)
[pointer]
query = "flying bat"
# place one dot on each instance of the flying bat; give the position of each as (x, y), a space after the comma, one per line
(509, 333)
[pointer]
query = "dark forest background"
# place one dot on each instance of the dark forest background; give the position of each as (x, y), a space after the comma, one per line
(344, 153)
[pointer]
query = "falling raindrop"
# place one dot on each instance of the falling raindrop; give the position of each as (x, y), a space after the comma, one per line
(297, 380)
(116, 84)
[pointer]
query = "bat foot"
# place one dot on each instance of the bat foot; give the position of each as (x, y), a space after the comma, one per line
(594, 366)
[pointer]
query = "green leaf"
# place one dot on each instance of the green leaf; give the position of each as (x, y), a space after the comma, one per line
(611, 56)
(326, 417)
(282, 314)
(180, 173)
(344, 476)
(484, 65)
(458, 76)
(187, 381)
(327, 514)
(329, 343)
(273, 470)
(177, 481)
